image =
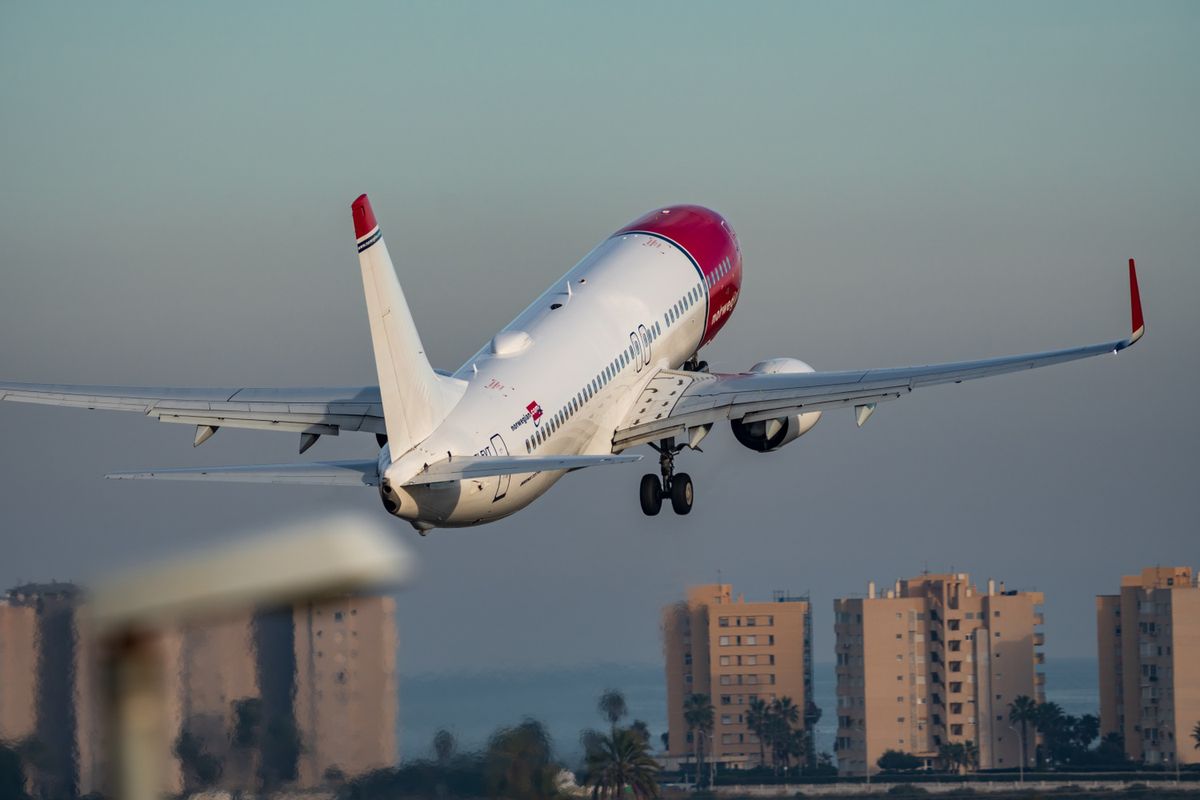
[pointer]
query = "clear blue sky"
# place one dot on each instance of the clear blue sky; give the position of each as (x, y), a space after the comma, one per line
(910, 182)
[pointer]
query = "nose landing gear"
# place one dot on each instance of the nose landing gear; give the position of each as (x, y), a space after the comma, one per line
(677, 487)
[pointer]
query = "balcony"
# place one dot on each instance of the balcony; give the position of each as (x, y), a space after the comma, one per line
(1039, 657)
(1039, 679)
(1039, 639)
(1039, 619)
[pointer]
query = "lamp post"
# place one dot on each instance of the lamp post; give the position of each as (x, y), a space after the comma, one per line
(1021, 736)
(129, 612)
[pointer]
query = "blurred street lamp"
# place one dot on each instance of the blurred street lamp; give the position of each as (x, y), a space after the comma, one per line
(337, 555)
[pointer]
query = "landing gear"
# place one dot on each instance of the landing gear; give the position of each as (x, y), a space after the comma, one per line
(651, 495)
(676, 487)
(694, 364)
(681, 493)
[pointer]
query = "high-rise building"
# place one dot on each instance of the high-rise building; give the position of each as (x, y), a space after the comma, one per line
(345, 705)
(734, 652)
(18, 670)
(935, 661)
(1148, 638)
(40, 660)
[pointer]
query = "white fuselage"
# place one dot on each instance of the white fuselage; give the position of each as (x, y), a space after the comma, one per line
(561, 376)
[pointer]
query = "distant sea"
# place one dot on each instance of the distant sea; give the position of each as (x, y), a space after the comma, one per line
(472, 705)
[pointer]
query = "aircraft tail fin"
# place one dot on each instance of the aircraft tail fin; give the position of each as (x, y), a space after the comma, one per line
(415, 398)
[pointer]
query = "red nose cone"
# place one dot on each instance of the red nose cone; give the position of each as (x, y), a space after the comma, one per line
(702, 232)
(710, 243)
(364, 217)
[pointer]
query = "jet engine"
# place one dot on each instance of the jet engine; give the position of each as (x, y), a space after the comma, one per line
(771, 434)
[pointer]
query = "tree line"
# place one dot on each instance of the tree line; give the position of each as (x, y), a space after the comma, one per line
(519, 763)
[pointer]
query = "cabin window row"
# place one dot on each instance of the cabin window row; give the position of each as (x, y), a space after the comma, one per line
(721, 271)
(575, 404)
(695, 295)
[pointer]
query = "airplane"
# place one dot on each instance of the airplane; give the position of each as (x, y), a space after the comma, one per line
(604, 360)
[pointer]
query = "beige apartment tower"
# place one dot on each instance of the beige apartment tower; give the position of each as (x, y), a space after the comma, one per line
(346, 700)
(933, 661)
(18, 670)
(1148, 638)
(734, 652)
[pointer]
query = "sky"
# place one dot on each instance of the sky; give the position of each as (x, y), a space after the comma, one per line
(910, 183)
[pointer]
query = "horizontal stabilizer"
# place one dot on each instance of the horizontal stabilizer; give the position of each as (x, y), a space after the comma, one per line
(319, 473)
(457, 469)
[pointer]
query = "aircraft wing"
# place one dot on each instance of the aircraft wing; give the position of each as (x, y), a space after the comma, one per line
(307, 411)
(319, 473)
(675, 401)
(465, 467)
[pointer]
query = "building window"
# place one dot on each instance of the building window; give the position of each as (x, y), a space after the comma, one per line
(724, 640)
(723, 622)
(726, 699)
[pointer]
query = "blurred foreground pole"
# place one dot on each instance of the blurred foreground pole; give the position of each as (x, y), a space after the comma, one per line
(130, 611)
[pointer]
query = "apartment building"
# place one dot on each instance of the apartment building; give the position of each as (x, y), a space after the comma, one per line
(38, 668)
(345, 704)
(934, 661)
(18, 670)
(1148, 641)
(734, 651)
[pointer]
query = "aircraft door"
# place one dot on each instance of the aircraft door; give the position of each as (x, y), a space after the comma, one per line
(502, 481)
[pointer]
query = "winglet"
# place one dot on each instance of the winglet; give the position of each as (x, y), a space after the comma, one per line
(1135, 304)
(364, 217)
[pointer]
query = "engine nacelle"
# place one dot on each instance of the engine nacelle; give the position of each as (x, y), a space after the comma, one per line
(772, 434)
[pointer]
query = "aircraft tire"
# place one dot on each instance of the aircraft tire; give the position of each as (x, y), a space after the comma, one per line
(682, 493)
(651, 495)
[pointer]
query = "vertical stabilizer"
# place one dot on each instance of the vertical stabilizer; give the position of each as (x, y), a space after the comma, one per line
(415, 398)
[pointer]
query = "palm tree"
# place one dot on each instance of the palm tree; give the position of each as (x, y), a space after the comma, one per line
(619, 762)
(1087, 728)
(1196, 735)
(786, 709)
(757, 714)
(783, 715)
(698, 715)
(971, 754)
(951, 755)
(612, 707)
(443, 746)
(1023, 711)
(1050, 721)
(797, 747)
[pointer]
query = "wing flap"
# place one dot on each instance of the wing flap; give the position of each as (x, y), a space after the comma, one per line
(319, 473)
(304, 410)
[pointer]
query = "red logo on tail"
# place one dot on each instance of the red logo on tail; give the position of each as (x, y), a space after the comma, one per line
(535, 412)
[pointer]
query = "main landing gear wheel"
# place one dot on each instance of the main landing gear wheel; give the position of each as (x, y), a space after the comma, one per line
(681, 493)
(678, 488)
(651, 495)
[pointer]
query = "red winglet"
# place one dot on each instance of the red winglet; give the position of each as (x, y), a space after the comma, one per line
(364, 217)
(1135, 302)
